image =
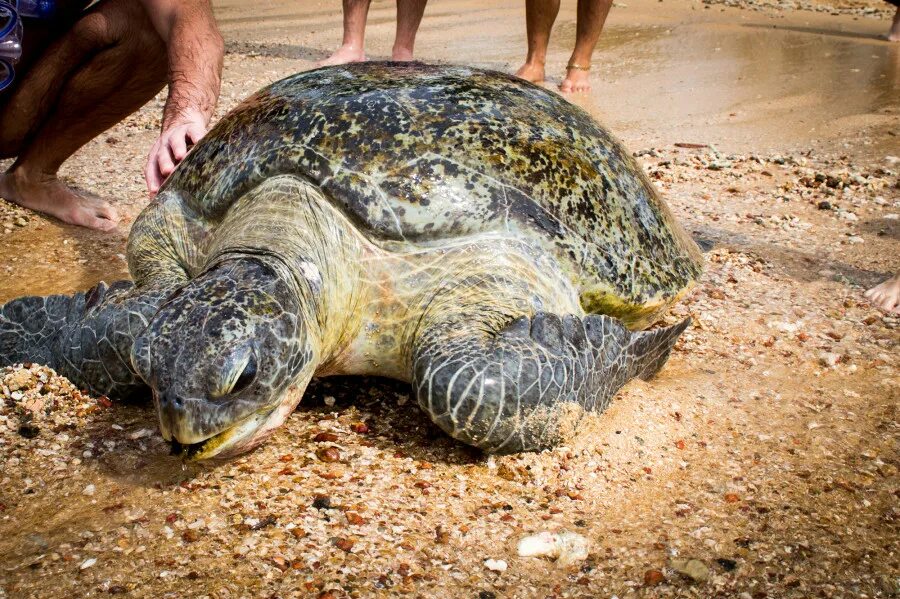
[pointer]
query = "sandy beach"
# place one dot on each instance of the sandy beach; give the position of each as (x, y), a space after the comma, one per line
(762, 462)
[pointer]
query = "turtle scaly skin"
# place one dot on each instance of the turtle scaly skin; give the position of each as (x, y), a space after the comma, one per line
(460, 229)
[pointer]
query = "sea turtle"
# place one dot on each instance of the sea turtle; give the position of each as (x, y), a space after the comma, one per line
(460, 229)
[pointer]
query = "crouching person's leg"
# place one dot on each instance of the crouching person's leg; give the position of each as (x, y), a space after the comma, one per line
(105, 67)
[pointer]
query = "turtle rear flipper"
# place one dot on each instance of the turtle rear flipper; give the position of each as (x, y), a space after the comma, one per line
(645, 352)
(511, 391)
(86, 337)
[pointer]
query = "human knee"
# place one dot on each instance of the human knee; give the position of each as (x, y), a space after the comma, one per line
(91, 32)
(119, 23)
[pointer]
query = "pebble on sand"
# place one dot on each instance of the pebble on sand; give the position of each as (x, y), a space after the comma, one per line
(87, 563)
(564, 547)
(653, 578)
(694, 569)
(496, 565)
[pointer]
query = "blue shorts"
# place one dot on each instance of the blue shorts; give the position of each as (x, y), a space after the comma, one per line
(38, 34)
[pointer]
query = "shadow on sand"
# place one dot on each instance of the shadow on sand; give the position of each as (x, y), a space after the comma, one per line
(129, 449)
(797, 264)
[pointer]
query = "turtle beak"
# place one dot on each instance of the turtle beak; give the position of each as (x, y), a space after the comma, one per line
(239, 437)
(234, 440)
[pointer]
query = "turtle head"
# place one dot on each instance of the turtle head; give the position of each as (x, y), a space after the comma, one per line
(223, 356)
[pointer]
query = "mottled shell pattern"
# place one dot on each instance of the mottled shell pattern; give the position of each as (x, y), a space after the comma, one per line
(420, 154)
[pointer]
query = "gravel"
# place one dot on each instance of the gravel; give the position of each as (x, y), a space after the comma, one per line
(766, 451)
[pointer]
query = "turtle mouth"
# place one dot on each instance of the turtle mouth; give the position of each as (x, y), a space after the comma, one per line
(236, 439)
(186, 452)
(191, 451)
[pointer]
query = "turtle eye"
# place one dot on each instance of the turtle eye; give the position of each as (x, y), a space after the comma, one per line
(238, 378)
(247, 375)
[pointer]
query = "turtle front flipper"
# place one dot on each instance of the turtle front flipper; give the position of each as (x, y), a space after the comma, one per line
(516, 388)
(86, 337)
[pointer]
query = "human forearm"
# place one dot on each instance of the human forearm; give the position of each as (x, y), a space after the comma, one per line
(195, 51)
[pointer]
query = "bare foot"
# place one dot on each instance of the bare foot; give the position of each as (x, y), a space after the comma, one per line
(343, 55)
(886, 296)
(894, 34)
(49, 195)
(577, 80)
(531, 71)
(401, 54)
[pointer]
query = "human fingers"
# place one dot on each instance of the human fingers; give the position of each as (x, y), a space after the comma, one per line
(152, 175)
(164, 158)
(178, 145)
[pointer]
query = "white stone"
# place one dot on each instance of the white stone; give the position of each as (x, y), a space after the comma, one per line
(565, 547)
(87, 563)
(497, 565)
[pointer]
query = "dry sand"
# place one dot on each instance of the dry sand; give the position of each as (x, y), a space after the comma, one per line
(767, 449)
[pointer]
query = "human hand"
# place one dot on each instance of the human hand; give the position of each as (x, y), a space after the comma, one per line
(171, 147)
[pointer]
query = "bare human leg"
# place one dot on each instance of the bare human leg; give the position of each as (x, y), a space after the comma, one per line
(353, 48)
(409, 15)
(106, 67)
(894, 34)
(591, 17)
(886, 296)
(539, 18)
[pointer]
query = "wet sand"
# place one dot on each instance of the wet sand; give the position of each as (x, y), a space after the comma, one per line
(767, 449)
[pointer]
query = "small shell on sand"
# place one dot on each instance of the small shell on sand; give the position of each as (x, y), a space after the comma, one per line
(565, 547)
(497, 565)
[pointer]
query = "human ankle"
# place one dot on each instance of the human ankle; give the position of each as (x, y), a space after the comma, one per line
(402, 52)
(351, 47)
(582, 61)
(21, 176)
(6, 190)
